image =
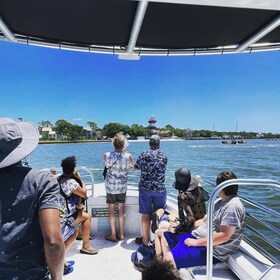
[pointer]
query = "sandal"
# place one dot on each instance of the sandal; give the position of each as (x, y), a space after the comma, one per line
(88, 250)
(120, 237)
(109, 238)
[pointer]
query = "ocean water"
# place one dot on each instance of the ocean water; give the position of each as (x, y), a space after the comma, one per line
(258, 159)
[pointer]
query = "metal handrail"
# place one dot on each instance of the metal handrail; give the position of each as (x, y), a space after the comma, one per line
(215, 192)
(89, 174)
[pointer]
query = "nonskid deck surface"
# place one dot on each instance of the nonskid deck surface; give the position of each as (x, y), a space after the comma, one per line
(111, 262)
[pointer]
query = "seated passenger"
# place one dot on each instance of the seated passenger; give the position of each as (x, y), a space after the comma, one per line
(191, 204)
(73, 193)
(187, 250)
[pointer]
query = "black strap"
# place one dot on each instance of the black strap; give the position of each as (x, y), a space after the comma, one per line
(67, 198)
(115, 161)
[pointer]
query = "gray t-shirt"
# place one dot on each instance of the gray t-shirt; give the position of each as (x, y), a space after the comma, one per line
(230, 213)
(23, 191)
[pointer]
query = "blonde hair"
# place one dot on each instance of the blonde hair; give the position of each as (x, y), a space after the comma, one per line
(120, 142)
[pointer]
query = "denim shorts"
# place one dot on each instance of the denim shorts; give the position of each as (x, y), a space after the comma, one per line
(150, 201)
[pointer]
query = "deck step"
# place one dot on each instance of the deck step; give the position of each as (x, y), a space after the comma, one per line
(247, 263)
(220, 271)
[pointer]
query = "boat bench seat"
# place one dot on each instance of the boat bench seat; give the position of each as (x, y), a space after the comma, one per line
(247, 263)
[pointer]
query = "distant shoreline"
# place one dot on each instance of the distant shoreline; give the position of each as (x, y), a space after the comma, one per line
(99, 141)
(136, 140)
(72, 142)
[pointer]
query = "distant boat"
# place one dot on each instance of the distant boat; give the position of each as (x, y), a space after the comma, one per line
(233, 142)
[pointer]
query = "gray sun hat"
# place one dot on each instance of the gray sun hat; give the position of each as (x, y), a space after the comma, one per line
(17, 140)
(154, 140)
(195, 182)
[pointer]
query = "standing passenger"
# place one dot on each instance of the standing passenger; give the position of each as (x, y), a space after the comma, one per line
(152, 191)
(31, 244)
(118, 163)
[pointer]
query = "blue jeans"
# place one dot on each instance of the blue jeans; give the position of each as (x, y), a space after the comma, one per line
(150, 201)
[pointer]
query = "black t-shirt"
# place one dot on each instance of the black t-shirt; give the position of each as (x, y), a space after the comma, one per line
(23, 191)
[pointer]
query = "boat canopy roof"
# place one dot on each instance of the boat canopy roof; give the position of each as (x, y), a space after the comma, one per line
(131, 29)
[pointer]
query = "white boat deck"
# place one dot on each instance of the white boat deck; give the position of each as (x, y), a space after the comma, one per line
(111, 262)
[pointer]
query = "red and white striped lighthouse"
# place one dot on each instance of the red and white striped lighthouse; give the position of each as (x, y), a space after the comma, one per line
(152, 121)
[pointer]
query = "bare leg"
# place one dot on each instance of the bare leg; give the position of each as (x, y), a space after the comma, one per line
(145, 228)
(158, 245)
(160, 212)
(167, 255)
(85, 219)
(112, 219)
(69, 242)
(121, 219)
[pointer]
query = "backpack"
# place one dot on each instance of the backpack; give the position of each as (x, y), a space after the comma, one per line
(191, 207)
(73, 199)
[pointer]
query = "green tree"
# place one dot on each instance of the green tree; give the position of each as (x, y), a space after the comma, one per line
(170, 127)
(72, 132)
(75, 132)
(111, 129)
(138, 130)
(93, 126)
(62, 127)
(45, 123)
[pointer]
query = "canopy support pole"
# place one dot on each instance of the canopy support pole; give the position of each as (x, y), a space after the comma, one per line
(140, 14)
(6, 31)
(257, 36)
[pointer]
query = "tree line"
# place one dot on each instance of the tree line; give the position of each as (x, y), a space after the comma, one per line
(74, 132)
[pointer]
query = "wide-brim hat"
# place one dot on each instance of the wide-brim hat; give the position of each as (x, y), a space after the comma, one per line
(18, 139)
(195, 182)
(182, 179)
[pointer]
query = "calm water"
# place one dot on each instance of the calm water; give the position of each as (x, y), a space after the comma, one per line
(256, 159)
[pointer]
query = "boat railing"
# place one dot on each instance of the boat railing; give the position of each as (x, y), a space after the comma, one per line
(88, 178)
(265, 225)
(86, 175)
(133, 178)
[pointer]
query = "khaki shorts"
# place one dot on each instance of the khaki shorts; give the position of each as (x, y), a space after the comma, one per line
(116, 198)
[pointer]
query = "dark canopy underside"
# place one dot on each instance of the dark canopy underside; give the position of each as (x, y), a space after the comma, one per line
(108, 24)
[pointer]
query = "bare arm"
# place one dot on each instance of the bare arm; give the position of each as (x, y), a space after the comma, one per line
(131, 165)
(200, 222)
(218, 238)
(53, 242)
(82, 192)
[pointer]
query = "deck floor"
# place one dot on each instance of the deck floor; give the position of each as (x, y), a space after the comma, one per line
(111, 262)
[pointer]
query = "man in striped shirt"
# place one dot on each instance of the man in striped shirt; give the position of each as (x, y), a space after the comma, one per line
(189, 249)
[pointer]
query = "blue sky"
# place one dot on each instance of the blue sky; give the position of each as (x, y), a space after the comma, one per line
(201, 92)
